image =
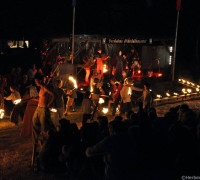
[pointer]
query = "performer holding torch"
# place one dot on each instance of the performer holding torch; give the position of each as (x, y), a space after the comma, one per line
(126, 94)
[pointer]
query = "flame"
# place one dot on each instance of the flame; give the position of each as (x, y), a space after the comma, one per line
(158, 96)
(105, 68)
(74, 81)
(189, 90)
(101, 101)
(1, 113)
(53, 110)
(105, 110)
(129, 91)
(17, 101)
(175, 94)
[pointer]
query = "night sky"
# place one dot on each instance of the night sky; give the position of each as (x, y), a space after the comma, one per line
(136, 18)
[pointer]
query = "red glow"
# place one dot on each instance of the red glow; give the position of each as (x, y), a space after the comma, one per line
(44, 53)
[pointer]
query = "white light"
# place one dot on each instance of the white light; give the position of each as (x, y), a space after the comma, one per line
(110, 93)
(74, 81)
(159, 96)
(53, 110)
(179, 80)
(17, 101)
(167, 94)
(150, 90)
(1, 113)
(101, 101)
(91, 89)
(170, 60)
(129, 91)
(175, 94)
(192, 84)
(170, 49)
(183, 81)
(105, 110)
(81, 89)
(189, 90)
(105, 68)
(188, 82)
(197, 89)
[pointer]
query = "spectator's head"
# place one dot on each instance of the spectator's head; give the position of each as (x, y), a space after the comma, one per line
(128, 114)
(102, 121)
(118, 118)
(64, 124)
(117, 127)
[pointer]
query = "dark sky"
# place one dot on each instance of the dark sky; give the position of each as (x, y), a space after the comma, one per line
(109, 17)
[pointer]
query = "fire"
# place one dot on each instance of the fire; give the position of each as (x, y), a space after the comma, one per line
(53, 110)
(139, 71)
(129, 91)
(74, 81)
(1, 113)
(105, 110)
(101, 101)
(105, 68)
(17, 101)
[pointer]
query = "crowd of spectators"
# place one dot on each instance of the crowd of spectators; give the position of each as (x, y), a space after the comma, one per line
(140, 146)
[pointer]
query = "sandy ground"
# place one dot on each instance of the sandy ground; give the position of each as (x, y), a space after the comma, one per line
(15, 151)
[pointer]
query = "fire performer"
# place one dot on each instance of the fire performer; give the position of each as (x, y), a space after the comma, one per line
(89, 62)
(100, 58)
(126, 94)
(116, 88)
(16, 99)
(41, 119)
(71, 93)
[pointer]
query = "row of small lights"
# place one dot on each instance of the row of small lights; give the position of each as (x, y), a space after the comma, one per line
(184, 90)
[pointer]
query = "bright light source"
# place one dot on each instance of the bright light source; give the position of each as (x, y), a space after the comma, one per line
(139, 71)
(197, 89)
(159, 96)
(105, 68)
(17, 101)
(53, 110)
(167, 94)
(183, 81)
(129, 91)
(159, 74)
(189, 90)
(179, 80)
(188, 82)
(170, 49)
(170, 60)
(74, 81)
(105, 110)
(101, 101)
(176, 94)
(1, 113)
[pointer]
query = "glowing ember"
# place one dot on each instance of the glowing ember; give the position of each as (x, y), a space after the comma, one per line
(1, 113)
(105, 110)
(101, 101)
(74, 81)
(17, 101)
